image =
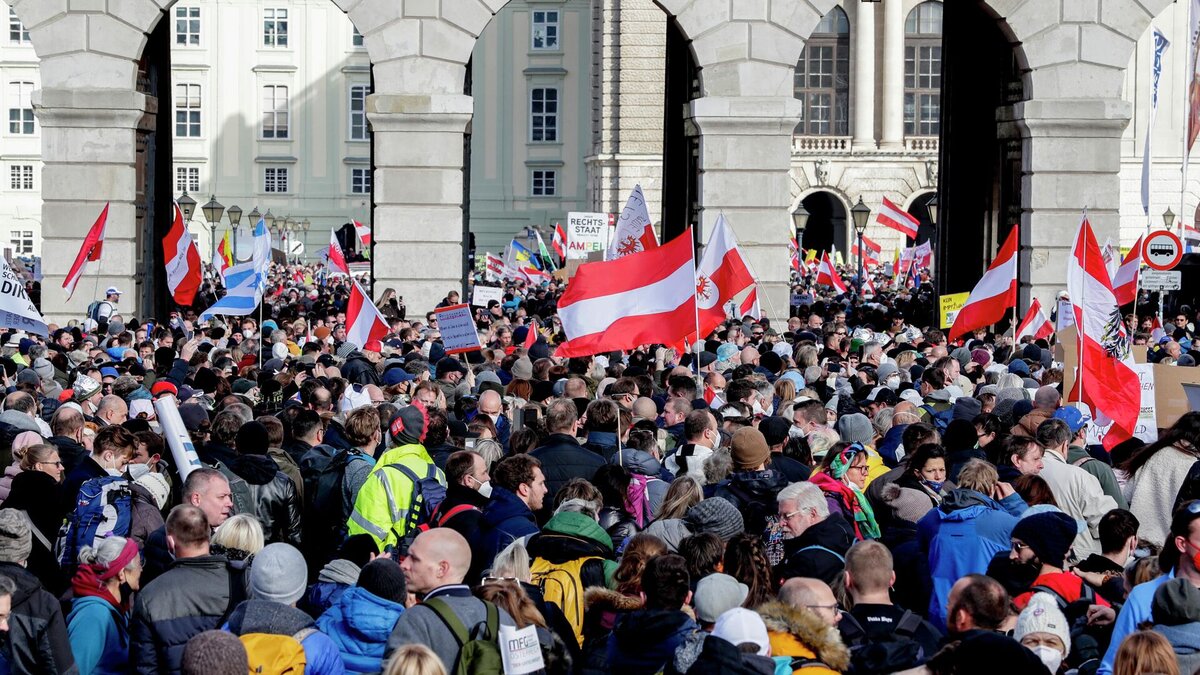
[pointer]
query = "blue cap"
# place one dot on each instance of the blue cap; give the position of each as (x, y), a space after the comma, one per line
(109, 371)
(726, 352)
(1073, 416)
(394, 376)
(1019, 367)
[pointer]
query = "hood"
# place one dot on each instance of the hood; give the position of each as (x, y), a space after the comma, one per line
(890, 442)
(638, 630)
(256, 469)
(1032, 420)
(696, 454)
(672, 531)
(569, 536)
(339, 572)
(637, 461)
(264, 616)
(761, 485)
(27, 584)
(810, 630)
(20, 420)
(579, 525)
(503, 506)
(969, 501)
(604, 600)
(368, 617)
(404, 451)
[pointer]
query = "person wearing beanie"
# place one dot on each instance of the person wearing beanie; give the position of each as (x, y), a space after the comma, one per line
(277, 581)
(338, 575)
(1043, 629)
(274, 497)
(775, 430)
(752, 486)
(360, 623)
(1041, 542)
(37, 639)
(215, 652)
(715, 515)
(857, 428)
(842, 477)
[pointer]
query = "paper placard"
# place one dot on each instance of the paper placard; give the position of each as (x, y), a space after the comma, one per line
(520, 650)
(586, 233)
(482, 295)
(457, 326)
(1066, 315)
(16, 309)
(950, 306)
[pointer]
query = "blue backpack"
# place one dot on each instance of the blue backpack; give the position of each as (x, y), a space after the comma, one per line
(104, 508)
(940, 420)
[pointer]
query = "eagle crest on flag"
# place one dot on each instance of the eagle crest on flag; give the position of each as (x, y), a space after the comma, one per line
(629, 245)
(1116, 338)
(704, 287)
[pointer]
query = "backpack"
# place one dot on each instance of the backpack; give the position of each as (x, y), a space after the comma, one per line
(939, 420)
(323, 490)
(898, 651)
(817, 547)
(103, 508)
(562, 584)
(270, 654)
(1086, 641)
(479, 648)
(427, 495)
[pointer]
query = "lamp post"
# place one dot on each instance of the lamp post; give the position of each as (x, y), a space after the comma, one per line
(861, 214)
(213, 211)
(932, 207)
(800, 220)
(187, 205)
(1169, 218)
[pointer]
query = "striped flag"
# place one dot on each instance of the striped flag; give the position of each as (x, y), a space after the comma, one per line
(364, 238)
(635, 232)
(1035, 323)
(364, 322)
(995, 293)
(495, 267)
(183, 262)
(871, 254)
(1125, 281)
(559, 241)
(750, 307)
(827, 274)
(223, 259)
(794, 253)
(897, 219)
(337, 259)
(245, 282)
(93, 245)
(534, 275)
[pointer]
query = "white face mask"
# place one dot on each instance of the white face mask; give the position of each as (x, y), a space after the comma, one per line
(136, 471)
(485, 488)
(796, 432)
(893, 383)
(1050, 657)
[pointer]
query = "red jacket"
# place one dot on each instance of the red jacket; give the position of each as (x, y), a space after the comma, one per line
(1067, 585)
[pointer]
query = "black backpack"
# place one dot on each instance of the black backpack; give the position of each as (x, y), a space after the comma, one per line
(1086, 641)
(325, 515)
(898, 651)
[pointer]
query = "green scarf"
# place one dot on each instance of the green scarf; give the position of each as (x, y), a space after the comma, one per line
(864, 515)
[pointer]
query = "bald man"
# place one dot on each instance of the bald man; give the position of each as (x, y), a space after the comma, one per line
(492, 405)
(436, 567)
(112, 411)
(644, 408)
(813, 595)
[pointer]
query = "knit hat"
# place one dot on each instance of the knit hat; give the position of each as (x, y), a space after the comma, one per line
(85, 388)
(409, 425)
(774, 429)
(156, 484)
(749, 449)
(279, 574)
(383, 578)
(28, 376)
(856, 428)
(1019, 367)
(1042, 615)
(716, 594)
(15, 542)
(966, 408)
(215, 652)
(739, 626)
(907, 504)
(346, 349)
(962, 355)
(253, 439)
(715, 515)
(981, 356)
(1048, 534)
(522, 369)
(1175, 603)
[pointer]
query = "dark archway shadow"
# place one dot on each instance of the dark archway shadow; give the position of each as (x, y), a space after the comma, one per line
(827, 227)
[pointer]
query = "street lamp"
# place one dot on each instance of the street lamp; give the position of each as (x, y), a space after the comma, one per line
(187, 205)
(269, 219)
(932, 207)
(235, 216)
(254, 217)
(213, 211)
(800, 220)
(861, 214)
(1169, 218)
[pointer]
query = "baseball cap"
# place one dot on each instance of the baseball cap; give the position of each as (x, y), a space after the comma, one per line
(1074, 417)
(717, 594)
(739, 626)
(112, 290)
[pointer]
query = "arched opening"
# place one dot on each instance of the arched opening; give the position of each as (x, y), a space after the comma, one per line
(826, 228)
(919, 208)
(822, 81)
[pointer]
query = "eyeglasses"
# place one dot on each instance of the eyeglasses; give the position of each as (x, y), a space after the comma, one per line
(57, 463)
(858, 467)
(1018, 546)
(832, 609)
(496, 580)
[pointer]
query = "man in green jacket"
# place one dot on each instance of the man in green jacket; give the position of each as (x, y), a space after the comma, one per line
(1077, 418)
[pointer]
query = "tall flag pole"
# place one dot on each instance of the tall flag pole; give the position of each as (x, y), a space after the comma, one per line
(1159, 46)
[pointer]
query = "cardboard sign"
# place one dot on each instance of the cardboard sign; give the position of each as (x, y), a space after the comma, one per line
(949, 306)
(586, 233)
(457, 326)
(520, 650)
(1147, 424)
(482, 295)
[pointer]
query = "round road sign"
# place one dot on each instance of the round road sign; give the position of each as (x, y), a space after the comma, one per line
(1162, 250)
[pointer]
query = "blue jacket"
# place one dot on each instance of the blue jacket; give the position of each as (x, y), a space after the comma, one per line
(644, 641)
(320, 597)
(891, 441)
(961, 536)
(1135, 610)
(359, 624)
(99, 635)
(505, 519)
(263, 616)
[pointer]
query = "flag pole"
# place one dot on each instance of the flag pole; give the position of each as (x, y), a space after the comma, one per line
(696, 315)
(1188, 74)
(1083, 304)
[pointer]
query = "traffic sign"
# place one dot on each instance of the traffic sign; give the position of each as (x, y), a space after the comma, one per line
(1162, 250)
(1154, 280)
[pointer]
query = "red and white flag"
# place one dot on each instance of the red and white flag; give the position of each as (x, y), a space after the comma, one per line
(364, 322)
(871, 251)
(535, 276)
(183, 262)
(223, 260)
(995, 293)
(646, 298)
(559, 241)
(898, 219)
(923, 254)
(364, 237)
(93, 245)
(495, 267)
(1106, 380)
(337, 258)
(827, 274)
(1035, 324)
(794, 253)
(1125, 282)
(720, 275)
(750, 306)
(635, 232)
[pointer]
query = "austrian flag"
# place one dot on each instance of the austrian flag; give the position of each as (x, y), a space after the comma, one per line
(995, 293)
(1035, 324)
(827, 274)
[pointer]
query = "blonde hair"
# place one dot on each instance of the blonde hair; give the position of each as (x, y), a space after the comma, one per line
(414, 659)
(513, 561)
(509, 596)
(1143, 652)
(683, 493)
(30, 456)
(242, 532)
(785, 389)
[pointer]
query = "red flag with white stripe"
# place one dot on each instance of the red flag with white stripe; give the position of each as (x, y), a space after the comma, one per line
(1035, 324)
(640, 299)
(364, 237)
(559, 242)
(720, 275)
(364, 322)
(827, 274)
(535, 276)
(871, 251)
(995, 293)
(750, 307)
(337, 259)
(183, 262)
(635, 232)
(495, 267)
(794, 253)
(1125, 282)
(1106, 380)
(898, 219)
(93, 245)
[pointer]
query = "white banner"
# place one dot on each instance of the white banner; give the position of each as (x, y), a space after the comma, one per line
(1147, 424)
(482, 295)
(16, 309)
(520, 650)
(1066, 315)
(586, 233)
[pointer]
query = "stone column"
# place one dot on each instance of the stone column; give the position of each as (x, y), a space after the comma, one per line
(89, 148)
(893, 75)
(745, 157)
(1072, 160)
(863, 38)
(418, 195)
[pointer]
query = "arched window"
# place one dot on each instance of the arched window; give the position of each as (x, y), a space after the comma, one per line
(923, 70)
(823, 78)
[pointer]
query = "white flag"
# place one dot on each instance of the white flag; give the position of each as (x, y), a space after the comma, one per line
(1159, 46)
(16, 309)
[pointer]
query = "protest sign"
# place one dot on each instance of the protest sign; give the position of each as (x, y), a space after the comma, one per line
(950, 306)
(520, 650)
(16, 309)
(586, 233)
(482, 295)
(457, 327)
(1147, 424)
(1066, 315)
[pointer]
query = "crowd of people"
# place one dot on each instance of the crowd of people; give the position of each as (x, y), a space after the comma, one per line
(842, 492)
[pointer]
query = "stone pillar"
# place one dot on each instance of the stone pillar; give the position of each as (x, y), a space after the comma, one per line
(863, 38)
(745, 156)
(418, 195)
(1072, 160)
(89, 149)
(893, 75)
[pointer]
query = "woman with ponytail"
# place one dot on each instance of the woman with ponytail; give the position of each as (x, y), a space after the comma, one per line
(98, 625)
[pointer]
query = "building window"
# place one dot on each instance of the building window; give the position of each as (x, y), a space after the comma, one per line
(822, 81)
(20, 111)
(21, 176)
(187, 110)
(187, 26)
(923, 70)
(275, 179)
(275, 28)
(187, 179)
(545, 29)
(17, 34)
(356, 38)
(544, 183)
(275, 111)
(21, 241)
(358, 112)
(360, 181)
(544, 115)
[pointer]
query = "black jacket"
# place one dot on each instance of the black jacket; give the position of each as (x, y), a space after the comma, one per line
(84, 471)
(36, 641)
(563, 458)
(34, 493)
(465, 522)
(70, 451)
(188, 599)
(156, 555)
(213, 452)
(276, 502)
(618, 524)
(753, 493)
(834, 534)
(358, 370)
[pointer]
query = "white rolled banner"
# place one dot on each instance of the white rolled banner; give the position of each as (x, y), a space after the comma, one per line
(178, 439)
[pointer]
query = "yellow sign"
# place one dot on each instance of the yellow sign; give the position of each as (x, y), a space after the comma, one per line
(949, 306)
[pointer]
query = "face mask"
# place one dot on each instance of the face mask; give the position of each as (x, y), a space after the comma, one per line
(136, 471)
(796, 432)
(1050, 657)
(893, 383)
(934, 485)
(485, 488)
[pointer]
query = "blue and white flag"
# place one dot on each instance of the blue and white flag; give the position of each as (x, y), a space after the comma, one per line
(1160, 44)
(245, 282)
